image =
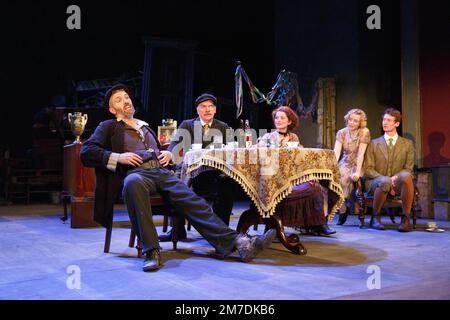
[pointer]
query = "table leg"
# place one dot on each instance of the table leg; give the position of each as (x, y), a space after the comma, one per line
(295, 246)
(248, 218)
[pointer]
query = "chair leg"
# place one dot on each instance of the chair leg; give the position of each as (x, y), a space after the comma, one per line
(189, 226)
(132, 238)
(165, 223)
(65, 202)
(174, 224)
(391, 212)
(414, 212)
(139, 248)
(107, 240)
(362, 207)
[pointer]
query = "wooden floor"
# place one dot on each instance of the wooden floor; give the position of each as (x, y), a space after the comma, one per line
(41, 258)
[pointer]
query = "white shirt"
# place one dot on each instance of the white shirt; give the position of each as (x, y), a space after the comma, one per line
(203, 123)
(394, 138)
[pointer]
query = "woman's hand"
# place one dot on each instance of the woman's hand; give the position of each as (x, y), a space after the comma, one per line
(355, 177)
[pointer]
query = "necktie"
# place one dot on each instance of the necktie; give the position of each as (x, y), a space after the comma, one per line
(390, 144)
(205, 129)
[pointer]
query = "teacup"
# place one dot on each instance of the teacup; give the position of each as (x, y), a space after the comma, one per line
(432, 225)
(292, 144)
(231, 145)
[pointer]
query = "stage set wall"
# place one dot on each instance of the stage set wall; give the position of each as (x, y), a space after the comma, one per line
(405, 65)
(435, 82)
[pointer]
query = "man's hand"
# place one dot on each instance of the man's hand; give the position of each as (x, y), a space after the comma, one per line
(165, 157)
(130, 158)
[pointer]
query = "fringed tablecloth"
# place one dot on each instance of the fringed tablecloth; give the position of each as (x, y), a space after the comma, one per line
(268, 174)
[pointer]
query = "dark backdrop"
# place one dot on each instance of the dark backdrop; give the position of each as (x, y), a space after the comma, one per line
(42, 57)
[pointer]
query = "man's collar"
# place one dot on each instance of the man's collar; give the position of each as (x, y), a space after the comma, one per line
(394, 137)
(140, 123)
(203, 122)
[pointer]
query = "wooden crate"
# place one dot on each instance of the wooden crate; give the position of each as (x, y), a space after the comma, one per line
(425, 184)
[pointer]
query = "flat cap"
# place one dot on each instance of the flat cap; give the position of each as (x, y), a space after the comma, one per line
(204, 97)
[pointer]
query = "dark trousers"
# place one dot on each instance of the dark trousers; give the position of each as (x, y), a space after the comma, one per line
(218, 189)
(140, 183)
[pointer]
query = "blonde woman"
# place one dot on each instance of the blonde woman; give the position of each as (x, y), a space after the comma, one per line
(350, 146)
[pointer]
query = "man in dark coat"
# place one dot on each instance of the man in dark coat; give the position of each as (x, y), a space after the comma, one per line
(125, 150)
(213, 185)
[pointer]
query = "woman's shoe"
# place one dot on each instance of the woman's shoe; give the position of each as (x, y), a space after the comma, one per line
(323, 230)
(342, 218)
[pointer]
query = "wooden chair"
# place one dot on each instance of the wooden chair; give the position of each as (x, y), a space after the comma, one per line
(159, 206)
(365, 200)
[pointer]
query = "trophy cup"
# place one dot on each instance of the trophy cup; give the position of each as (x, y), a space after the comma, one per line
(77, 123)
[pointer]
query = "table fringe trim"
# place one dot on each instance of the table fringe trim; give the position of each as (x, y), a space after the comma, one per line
(318, 174)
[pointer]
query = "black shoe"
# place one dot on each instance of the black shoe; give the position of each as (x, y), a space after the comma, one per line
(323, 230)
(152, 260)
(342, 218)
(249, 246)
(167, 237)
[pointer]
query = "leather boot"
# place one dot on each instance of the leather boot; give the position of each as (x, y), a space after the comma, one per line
(322, 230)
(375, 222)
(342, 218)
(152, 260)
(405, 225)
(249, 246)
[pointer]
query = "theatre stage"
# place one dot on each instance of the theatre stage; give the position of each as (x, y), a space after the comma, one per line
(39, 256)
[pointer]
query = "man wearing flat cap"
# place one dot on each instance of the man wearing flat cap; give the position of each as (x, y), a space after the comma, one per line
(125, 150)
(209, 184)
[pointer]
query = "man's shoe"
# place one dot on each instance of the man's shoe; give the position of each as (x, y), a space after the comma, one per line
(249, 246)
(405, 226)
(375, 223)
(323, 230)
(152, 260)
(167, 237)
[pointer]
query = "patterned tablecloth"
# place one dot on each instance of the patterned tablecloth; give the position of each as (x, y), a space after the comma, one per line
(268, 174)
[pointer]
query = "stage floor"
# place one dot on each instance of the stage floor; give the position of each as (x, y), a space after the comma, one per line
(38, 256)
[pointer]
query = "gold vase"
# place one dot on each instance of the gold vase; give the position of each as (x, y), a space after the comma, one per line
(77, 123)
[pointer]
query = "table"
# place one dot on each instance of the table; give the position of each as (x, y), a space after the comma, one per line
(268, 175)
(78, 189)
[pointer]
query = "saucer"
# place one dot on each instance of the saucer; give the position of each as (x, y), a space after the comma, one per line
(435, 230)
